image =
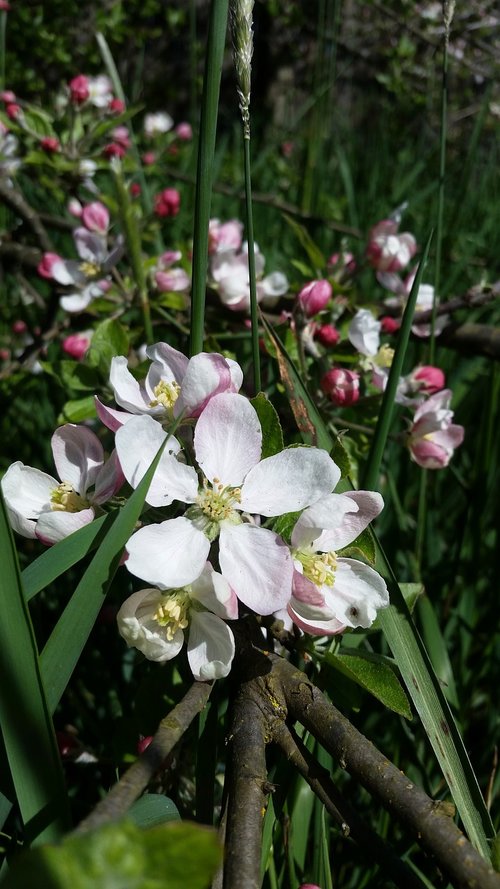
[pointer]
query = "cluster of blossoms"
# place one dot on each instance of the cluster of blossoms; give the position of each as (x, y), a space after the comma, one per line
(219, 552)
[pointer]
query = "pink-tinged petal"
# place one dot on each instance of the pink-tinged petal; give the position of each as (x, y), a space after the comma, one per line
(54, 526)
(26, 490)
(174, 363)
(111, 418)
(78, 456)
(436, 403)
(170, 555)
(127, 391)
(337, 520)
(357, 594)
(430, 455)
(109, 480)
(451, 438)
(136, 624)
(289, 481)
(90, 247)
(236, 375)
(258, 566)
(214, 592)
(210, 647)
(137, 443)
(314, 627)
(306, 591)
(206, 375)
(75, 302)
(228, 439)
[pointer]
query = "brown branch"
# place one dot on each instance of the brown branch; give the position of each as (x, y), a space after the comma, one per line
(475, 297)
(473, 339)
(15, 200)
(341, 811)
(135, 780)
(18, 254)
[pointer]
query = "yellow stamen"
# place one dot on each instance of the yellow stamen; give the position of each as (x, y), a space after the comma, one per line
(173, 613)
(320, 568)
(64, 498)
(90, 269)
(217, 502)
(166, 394)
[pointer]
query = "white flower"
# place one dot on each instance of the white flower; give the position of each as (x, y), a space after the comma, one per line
(331, 593)
(227, 445)
(157, 124)
(364, 332)
(174, 385)
(40, 506)
(156, 621)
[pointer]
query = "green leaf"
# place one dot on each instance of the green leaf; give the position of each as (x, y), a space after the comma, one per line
(110, 339)
(24, 713)
(285, 524)
(38, 121)
(373, 673)
(314, 254)
(153, 809)
(303, 268)
(77, 410)
(364, 545)
(73, 375)
(340, 456)
(123, 856)
(272, 433)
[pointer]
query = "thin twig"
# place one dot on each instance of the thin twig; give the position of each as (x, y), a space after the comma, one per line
(15, 200)
(135, 780)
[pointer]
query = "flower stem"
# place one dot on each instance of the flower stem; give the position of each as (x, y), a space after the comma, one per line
(133, 239)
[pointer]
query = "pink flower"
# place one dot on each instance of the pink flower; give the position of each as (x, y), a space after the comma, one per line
(389, 324)
(122, 136)
(167, 202)
(77, 344)
(149, 158)
(79, 89)
(95, 217)
(75, 208)
(50, 144)
(184, 131)
(19, 327)
(8, 96)
(113, 149)
(341, 386)
(387, 250)
(433, 437)
(314, 296)
(427, 379)
(225, 236)
(327, 334)
(173, 280)
(116, 106)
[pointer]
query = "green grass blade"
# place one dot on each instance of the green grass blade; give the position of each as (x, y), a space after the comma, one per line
(408, 649)
(24, 713)
(208, 126)
(61, 653)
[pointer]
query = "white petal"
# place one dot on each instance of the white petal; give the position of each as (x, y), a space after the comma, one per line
(54, 526)
(137, 626)
(258, 566)
(174, 363)
(111, 418)
(75, 302)
(78, 456)
(27, 490)
(128, 393)
(137, 443)
(315, 627)
(89, 246)
(289, 481)
(207, 375)
(109, 480)
(335, 521)
(228, 439)
(170, 555)
(210, 646)
(214, 592)
(236, 375)
(357, 593)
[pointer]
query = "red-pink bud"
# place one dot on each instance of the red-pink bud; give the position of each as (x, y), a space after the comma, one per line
(314, 296)
(50, 144)
(135, 189)
(287, 149)
(389, 325)
(148, 158)
(95, 217)
(4, 354)
(113, 149)
(327, 334)
(4, 6)
(143, 743)
(8, 96)
(167, 202)
(13, 110)
(76, 345)
(19, 327)
(79, 89)
(184, 131)
(341, 386)
(116, 106)
(430, 379)
(46, 264)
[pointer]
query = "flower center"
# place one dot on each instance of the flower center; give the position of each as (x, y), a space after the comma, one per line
(216, 502)
(90, 269)
(64, 498)
(318, 567)
(173, 612)
(384, 356)
(166, 394)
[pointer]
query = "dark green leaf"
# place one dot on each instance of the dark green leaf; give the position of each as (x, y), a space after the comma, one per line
(153, 809)
(374, 674)
(77, 410)
(110, 339)
(272, 433)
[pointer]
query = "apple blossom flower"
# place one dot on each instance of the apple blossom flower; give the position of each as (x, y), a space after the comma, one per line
(314, 296)
(364, 332)
(167, 202)
(389, 251)
(174, 385)
(114, 149)
(79, 89)
(433, 436)
(40, 506)
(229, 273)
(329, 592)
(156, 124)
(86, 275)
(424, 303)
(156, 621)
(121, 135)
(174, 280)
(236, 485)
(341, 386)
(224, 236)
(184, 131)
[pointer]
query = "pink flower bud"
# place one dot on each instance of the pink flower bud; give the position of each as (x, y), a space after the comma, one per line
(50, 144)
(4, 354)
(175, 280)
(113, 149)
(135, 189)
(327, 334)
(389, 325)
(46, 264)
(122, 136)
(167, 202)
(19, 327)
(79, 89)
(184, 131)
(13, 111)
(314, 296)
(75, 208)
(116, 106)
(4, 6)
(148, 158)
(143, 743)
(309, 886)
(8, 96)
(77, 344)
(341, 386)
(287, 149)
(429, 379)
(95, 217)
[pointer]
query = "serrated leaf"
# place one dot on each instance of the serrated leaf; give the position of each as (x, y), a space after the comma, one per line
(153, 809)
(374, 674)
(110, 339)
(123, 856)
(272, 433)
(78, 409)
(364, 545)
